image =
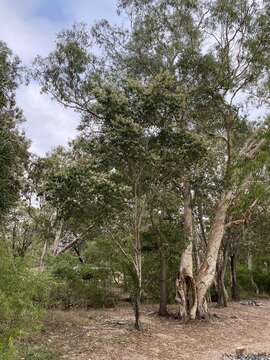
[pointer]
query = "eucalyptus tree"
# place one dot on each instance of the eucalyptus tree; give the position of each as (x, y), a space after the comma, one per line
(132, 157)
(37, 207)
(13, 145)
(178, 70)
(165, 38)
(21, 231)
(235, 33)
(127, 116)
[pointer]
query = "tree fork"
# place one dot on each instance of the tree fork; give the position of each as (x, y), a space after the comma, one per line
(186, 294)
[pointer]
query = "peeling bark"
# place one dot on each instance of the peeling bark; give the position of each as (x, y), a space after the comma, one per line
(185, 284)
(207, 270)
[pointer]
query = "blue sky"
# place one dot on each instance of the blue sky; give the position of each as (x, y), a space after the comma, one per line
(29, 28)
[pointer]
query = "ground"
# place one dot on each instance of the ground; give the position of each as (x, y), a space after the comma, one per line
(107, 334)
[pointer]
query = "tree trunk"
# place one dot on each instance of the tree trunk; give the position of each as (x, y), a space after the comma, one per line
(57, 239)
(254, 286)
(137, 263)
(235, 287)
(208, 268)
(137, 306)
(78, 254)
(185, 285)
(138, 285)
(43, 255)
(222, 300)
(163, 283)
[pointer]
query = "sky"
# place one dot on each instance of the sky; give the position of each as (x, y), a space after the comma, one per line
(29, 28)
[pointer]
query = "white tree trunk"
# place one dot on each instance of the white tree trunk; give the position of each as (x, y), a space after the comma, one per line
(206, 273)
(43, 255)
(185, 285)
(207, 270)
(185, 281)
(250, 269)
(57, 238)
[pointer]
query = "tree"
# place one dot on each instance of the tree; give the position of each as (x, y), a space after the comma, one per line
(13, 145)
(177, 74)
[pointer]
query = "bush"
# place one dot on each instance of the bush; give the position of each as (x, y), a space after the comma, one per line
(22, 295)
(244, 279)
(79, 285)
(260, 275)
(151, 261)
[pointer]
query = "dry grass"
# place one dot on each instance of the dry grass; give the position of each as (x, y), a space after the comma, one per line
(107, 334)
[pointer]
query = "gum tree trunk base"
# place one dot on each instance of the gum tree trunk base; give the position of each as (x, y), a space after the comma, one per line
(186, 297)
(202, 311)
(137, 312)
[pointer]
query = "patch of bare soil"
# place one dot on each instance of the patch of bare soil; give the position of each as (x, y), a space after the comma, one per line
(108, 334)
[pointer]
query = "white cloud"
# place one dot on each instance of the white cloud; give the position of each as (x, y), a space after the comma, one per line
(29, 32)
(49, 124)
(27, 36)
(91, 11)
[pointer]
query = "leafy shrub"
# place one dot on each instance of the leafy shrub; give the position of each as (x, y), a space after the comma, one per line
(244, 278)
(22, 293)
(151, 261)
(260, 275)
(79, 285)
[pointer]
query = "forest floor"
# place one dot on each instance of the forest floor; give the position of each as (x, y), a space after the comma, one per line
(107, 334)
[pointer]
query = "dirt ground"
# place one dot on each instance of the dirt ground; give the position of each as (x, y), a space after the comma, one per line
(107, 334)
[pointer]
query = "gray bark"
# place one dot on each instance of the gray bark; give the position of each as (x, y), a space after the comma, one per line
(221, 271)
(163, 283)
(235, 287)
(254, 286)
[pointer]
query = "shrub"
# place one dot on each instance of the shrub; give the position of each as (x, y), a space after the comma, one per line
(260, 274)
(22, 293)
(79, 285)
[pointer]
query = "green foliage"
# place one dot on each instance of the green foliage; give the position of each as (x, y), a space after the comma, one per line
(160, 107)
(244, 279)
(80, 285)
(260, 275)
(39, 353)
(173, 245)
(13, 145)
(23, 293)
(71, 71)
